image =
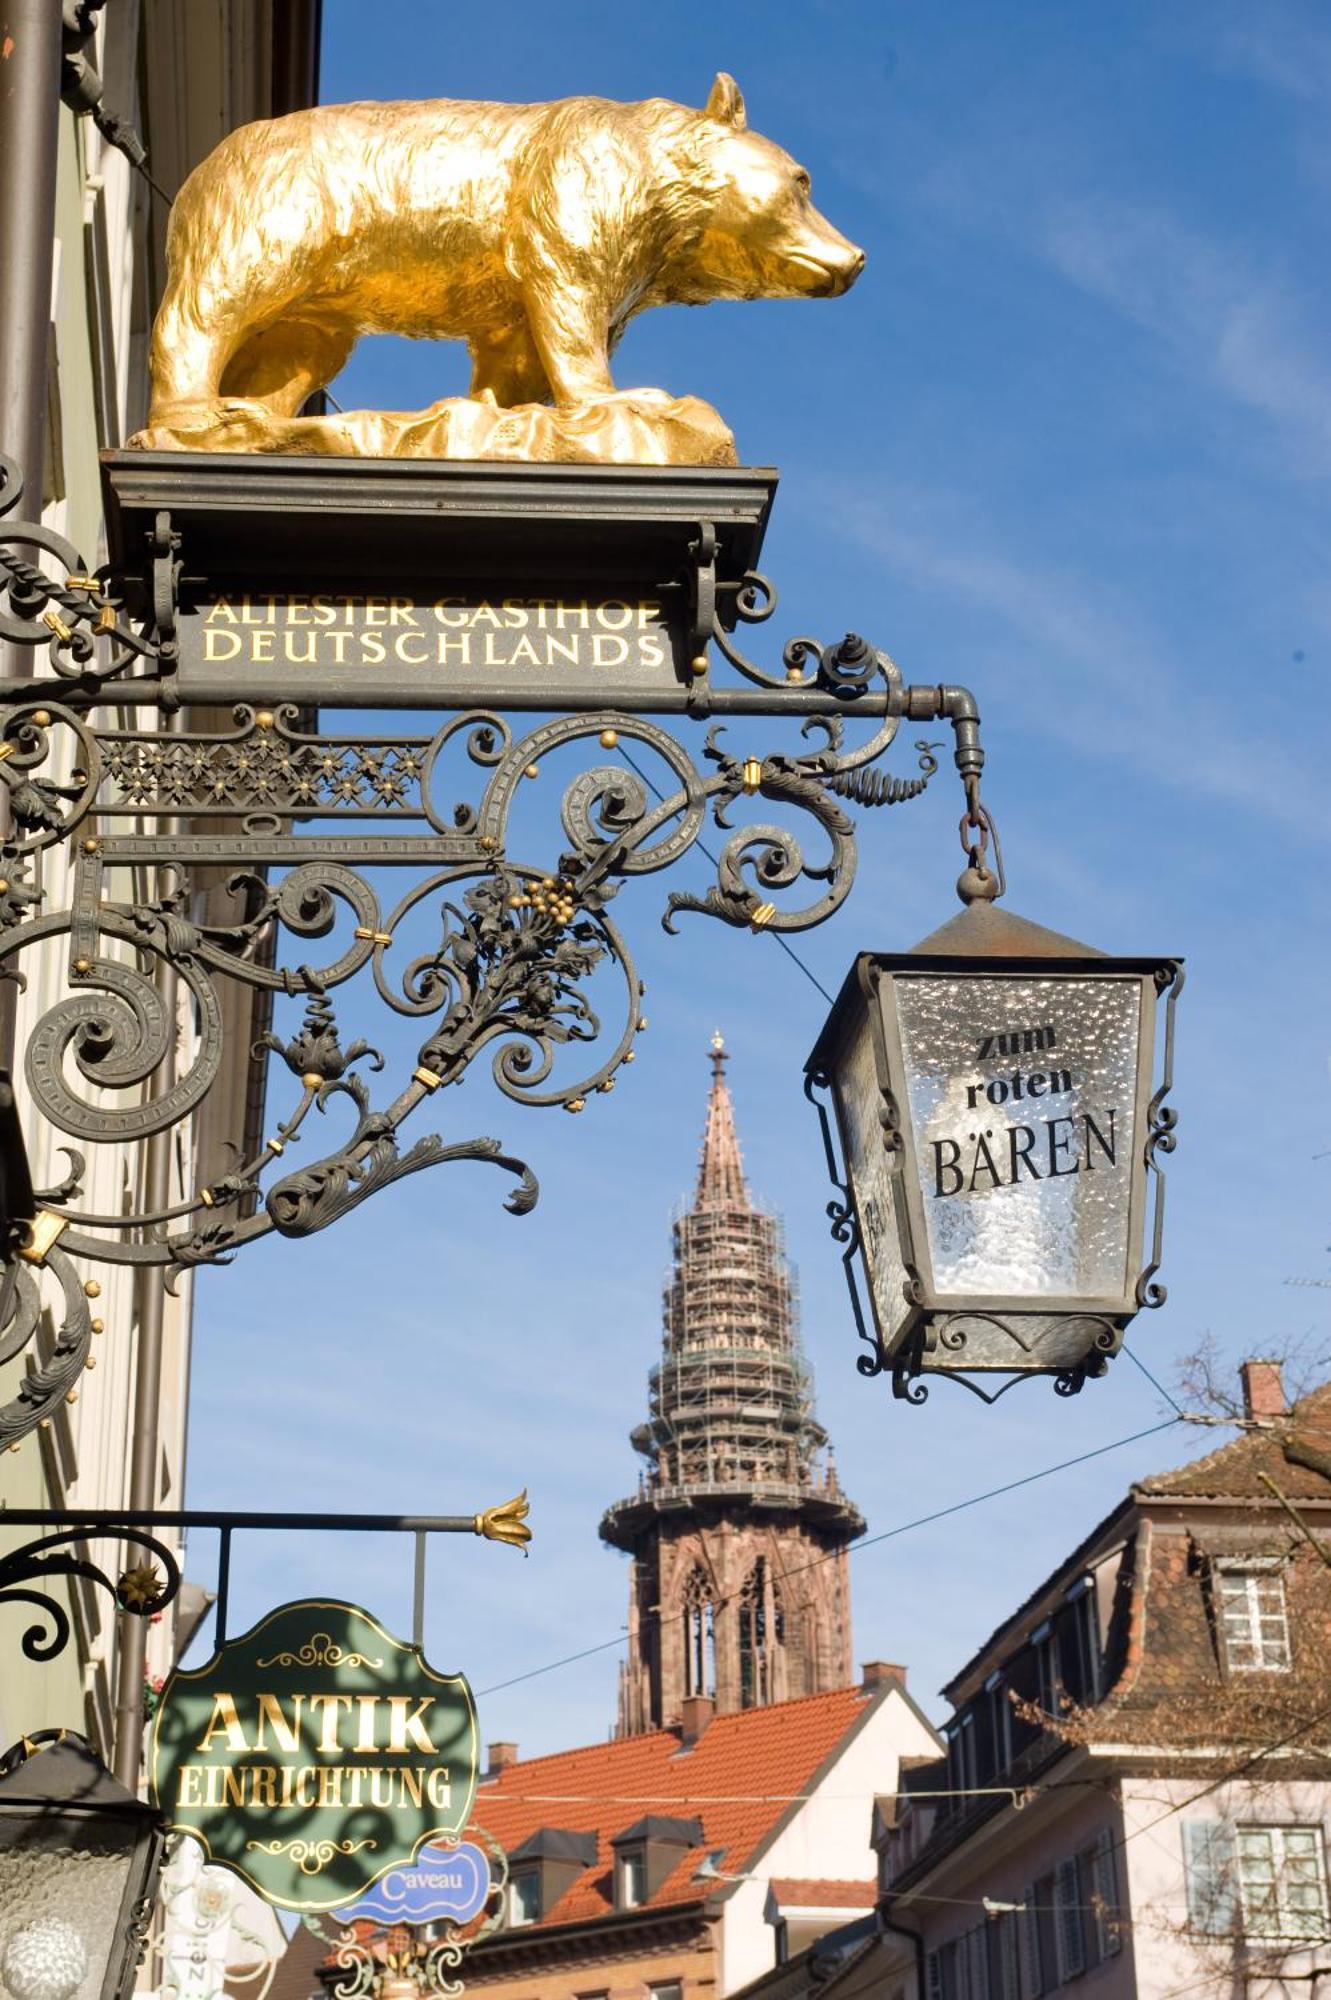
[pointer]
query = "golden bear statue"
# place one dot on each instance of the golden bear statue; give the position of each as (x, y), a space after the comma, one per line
(534, 232)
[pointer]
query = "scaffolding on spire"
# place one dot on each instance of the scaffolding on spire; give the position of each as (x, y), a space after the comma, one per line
(731, 1431)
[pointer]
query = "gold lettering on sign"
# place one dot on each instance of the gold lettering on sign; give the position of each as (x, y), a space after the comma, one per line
(540, 635)
(277, 1787)
(224, 1721)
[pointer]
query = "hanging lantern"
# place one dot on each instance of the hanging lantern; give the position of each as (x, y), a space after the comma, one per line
(79, 1862)
(992, 1092)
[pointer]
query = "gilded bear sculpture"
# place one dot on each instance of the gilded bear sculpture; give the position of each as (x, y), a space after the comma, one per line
(534, 232)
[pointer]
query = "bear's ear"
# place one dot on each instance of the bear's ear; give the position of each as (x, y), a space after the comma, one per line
(724, 102)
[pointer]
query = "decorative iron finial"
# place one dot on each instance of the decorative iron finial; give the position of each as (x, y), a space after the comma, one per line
(507, 1523)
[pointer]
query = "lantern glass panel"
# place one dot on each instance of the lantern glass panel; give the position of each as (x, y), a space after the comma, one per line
(1021, 1095)
(873, 1180)
(62, 1905)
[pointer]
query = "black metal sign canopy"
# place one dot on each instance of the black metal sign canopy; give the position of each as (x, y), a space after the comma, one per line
(411, 584)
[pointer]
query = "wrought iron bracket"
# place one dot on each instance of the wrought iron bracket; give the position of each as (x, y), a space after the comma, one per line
(483, 952)
(142, 1587)
(148, 1582)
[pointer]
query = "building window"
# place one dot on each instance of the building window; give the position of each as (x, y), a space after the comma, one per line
(699, 1637)
(761, 1627)
(1071, 1918)
(1079, 1647)
(996, 1741)
(632, 1878)
(1252, 1617)
(1282, 1881)
(667, 1989)
(524, 1897)
(1048, 1669)
(982, 1964)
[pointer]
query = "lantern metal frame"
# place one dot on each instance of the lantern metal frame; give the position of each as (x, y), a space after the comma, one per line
(985, 944)
(54, 1775)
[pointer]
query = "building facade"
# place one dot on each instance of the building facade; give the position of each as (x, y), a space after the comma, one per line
(181, 75)
(738, 1593)
(673, 1857)
(1135, 1803)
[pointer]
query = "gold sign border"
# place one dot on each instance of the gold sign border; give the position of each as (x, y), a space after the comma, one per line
(178, 1674)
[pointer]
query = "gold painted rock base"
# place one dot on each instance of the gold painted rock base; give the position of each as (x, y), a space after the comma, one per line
(630, 427)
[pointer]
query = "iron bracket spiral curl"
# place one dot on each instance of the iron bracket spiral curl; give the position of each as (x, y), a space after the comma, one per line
(481, 953)
(145, 1586)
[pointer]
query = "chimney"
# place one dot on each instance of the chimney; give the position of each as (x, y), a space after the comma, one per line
(695, 1712)
(882, 1673)
(498, 1758)
(1263, 1391)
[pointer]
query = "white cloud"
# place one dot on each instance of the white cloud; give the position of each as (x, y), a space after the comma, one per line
(1079, 665)
(1242, 328)
(1274, 45)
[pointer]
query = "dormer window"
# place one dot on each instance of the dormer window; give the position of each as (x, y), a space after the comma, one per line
(1251, 1602)
(632, 1878)
(647, 1853)
(543, 1868)
(1048, 1667)
(524, 1896)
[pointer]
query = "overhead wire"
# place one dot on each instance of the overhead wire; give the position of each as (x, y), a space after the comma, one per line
(775, 936)
(1158, 1386)
(867, 1542)
(1116, 1846)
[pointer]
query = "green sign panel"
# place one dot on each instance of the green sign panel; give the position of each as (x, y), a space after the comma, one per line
(314, 1754)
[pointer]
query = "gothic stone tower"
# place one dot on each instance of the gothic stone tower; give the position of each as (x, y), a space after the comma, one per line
(738, 1530)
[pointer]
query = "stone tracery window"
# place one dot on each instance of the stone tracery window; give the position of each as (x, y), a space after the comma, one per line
(699, 1635)
(762, 1628)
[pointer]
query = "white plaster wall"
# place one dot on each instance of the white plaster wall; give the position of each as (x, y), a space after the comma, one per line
(828, 1837)
(1169, 1960)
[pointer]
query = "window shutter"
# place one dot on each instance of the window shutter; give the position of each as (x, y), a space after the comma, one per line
(962, 1959)
(977, 1965)
(1071, 1944)
(1009, 1956)
(1208, 1857)
(1035, 1981)
(933, 1975)
(1104, 1897)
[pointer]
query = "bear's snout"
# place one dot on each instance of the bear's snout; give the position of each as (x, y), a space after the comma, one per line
(845, 273)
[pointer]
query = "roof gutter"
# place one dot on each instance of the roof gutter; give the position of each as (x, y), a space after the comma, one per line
(885, 1923)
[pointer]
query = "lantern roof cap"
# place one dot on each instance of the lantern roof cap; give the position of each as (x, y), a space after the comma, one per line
(63, 1773)
(992, 940)
(983, 930)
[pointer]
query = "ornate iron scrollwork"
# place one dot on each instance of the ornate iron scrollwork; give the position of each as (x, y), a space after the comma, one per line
(27, 1573)
(1161, 1120)
(364, 1959)
(489, 954)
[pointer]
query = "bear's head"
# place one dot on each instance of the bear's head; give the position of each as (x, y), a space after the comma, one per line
(761, 236)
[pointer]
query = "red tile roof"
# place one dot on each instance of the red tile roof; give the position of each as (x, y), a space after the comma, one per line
(738, 1779)
(1233, 1469)
(809, 1893)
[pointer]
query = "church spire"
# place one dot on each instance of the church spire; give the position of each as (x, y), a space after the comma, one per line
(739, 1527)
(721, 1169)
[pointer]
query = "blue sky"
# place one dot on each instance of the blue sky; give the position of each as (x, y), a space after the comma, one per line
(1068, 442)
